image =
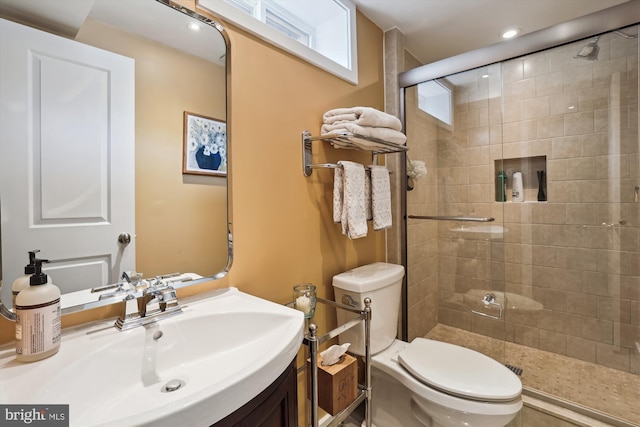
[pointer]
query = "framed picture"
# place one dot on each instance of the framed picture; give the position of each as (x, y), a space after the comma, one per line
(205, 145)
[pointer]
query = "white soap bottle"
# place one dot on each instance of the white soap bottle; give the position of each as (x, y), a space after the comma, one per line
(22, 282)
(517, 187)
(38, 318)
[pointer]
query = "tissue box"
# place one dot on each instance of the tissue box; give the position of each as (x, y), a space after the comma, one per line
(337, 384)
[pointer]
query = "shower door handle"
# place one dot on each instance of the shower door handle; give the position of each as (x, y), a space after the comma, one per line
(453, 218)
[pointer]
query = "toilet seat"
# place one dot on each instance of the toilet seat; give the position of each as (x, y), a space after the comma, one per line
(459, 371)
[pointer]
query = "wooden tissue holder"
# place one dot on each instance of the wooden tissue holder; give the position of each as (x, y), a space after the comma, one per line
(337, 384)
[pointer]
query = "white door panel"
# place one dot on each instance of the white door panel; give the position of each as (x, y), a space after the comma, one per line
(67, 148)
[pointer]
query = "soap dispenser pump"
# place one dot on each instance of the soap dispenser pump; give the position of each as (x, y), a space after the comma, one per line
(38, 318)
(22, 282)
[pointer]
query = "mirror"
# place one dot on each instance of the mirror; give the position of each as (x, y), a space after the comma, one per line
(178, 113)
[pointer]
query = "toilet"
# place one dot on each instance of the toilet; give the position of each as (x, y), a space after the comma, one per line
(424, 382)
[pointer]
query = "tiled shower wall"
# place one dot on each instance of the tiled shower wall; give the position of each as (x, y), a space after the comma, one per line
(570, 266)
(422, 236)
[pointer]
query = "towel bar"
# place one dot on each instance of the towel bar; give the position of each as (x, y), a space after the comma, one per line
(349, 141)
(335, 166)
(453, 218)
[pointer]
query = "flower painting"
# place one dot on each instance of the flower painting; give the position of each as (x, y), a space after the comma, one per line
(205, 145)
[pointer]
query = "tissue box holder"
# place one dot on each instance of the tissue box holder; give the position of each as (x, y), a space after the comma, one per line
(337, 384)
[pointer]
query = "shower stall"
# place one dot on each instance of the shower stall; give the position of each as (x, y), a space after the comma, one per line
(544, 274)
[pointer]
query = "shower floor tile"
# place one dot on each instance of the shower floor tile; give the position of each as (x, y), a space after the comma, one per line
(603, 389)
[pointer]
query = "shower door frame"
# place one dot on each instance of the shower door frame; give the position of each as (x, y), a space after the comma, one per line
(610, 19)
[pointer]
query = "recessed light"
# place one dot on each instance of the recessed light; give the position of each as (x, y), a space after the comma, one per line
(510, 33)
(193, 26)
(485, 76)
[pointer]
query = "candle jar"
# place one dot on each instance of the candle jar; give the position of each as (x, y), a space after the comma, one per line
(304, 299)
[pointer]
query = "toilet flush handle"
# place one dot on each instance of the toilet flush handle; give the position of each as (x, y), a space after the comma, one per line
(347, 300)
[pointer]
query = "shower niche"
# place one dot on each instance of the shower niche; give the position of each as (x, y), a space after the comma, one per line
(534, 178)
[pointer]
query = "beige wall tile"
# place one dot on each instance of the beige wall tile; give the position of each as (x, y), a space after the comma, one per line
(577, 78)
(582, 349)
(548, 84)
(613, 356)
(582, 304)
(563, 102)
(579, 123)
(553, 342)
(626, 335)
(551, 127)
(635, 313)
(581, 168)
(594, 144)
(616, 310)
(566, 147)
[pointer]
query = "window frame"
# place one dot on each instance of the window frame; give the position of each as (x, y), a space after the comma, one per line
(264, 32)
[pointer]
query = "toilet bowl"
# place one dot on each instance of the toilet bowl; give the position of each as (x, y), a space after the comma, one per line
(436, 384)
(425, 382)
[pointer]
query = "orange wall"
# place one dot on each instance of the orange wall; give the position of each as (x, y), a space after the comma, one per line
(283, 228)
(282, 222)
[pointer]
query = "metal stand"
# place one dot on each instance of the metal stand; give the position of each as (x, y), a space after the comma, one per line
(313, 341)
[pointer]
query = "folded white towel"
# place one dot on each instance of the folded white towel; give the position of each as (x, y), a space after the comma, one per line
(380, 197)
(354, 220)
(363, 116)
(385, 134)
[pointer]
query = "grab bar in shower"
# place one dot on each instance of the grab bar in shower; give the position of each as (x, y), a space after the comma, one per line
(453, 218)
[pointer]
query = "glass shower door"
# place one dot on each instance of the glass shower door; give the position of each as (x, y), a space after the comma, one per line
(455, 235)
(572, 294)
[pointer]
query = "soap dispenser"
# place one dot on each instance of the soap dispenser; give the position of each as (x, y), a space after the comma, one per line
(37, 317)
(22, 282)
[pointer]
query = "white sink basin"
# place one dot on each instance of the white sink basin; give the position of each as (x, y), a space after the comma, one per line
(224, 349)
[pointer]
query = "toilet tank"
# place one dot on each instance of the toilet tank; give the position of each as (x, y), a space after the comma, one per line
(382, 282)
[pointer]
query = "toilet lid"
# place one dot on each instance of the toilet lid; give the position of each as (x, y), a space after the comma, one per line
(459, 371)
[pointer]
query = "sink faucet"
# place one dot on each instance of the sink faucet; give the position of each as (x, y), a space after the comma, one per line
(137, 307)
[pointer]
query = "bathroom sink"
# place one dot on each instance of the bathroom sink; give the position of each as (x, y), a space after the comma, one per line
(192, 369)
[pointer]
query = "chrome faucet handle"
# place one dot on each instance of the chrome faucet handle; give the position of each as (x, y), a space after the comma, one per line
(132, 277)
(136, 308)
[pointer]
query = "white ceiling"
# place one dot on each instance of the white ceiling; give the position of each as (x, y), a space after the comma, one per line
(438, 29)
(142, 17)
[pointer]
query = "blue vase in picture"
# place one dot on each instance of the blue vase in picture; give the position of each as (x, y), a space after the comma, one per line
(209, 161)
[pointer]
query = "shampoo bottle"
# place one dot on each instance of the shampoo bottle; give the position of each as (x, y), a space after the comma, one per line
(22, 282)
(501, 187)
(38, 318)
(518, 190)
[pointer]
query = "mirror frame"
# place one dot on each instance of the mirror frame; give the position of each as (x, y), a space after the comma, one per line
(210, 21)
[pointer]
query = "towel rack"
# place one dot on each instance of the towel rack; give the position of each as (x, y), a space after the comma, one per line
(348, 141)
(453, 218)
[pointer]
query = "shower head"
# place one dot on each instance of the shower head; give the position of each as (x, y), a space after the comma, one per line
(589, 51)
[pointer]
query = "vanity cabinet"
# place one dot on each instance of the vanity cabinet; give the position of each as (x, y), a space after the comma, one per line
(276, 406)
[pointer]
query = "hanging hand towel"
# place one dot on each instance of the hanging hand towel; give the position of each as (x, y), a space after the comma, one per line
(338, 190)
(390, 135)
(380, 197)
(354, 220)
(363, 116)
(367, 195)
